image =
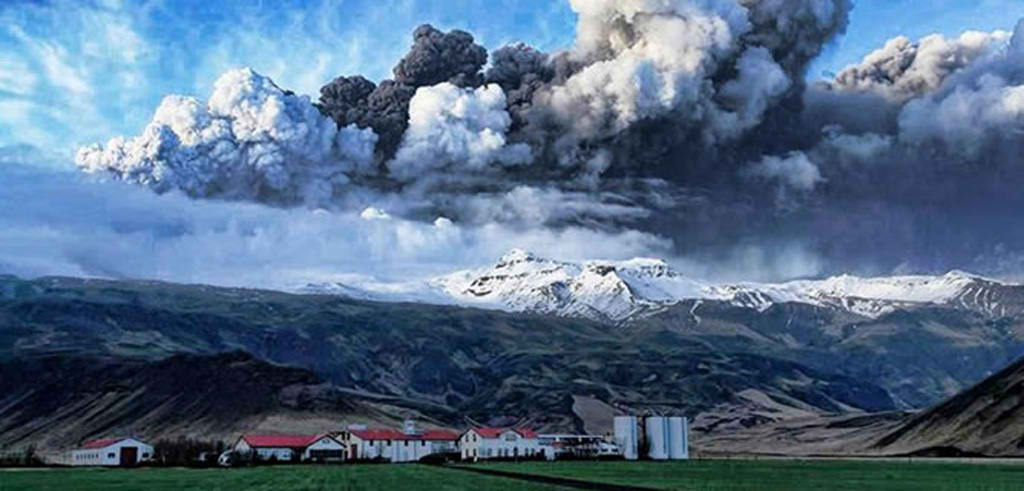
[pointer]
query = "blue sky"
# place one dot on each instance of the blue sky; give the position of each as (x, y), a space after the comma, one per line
(77, 72)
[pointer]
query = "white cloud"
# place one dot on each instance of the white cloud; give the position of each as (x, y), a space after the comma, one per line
(456, 130)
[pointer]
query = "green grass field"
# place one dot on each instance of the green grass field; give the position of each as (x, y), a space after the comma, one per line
(285, 478)
(709, 475)
(779, 475)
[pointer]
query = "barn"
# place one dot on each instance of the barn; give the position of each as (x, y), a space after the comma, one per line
(112, 452)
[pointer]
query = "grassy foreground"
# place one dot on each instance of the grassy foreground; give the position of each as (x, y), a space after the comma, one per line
(705, 475)
(299, 478)
(784, 475)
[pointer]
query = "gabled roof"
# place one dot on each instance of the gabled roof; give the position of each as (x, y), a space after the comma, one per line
(496, 432)
(280, 441)
(389, 434)
(92, 444)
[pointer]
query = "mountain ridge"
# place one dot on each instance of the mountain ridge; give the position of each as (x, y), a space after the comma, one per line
(619, 292)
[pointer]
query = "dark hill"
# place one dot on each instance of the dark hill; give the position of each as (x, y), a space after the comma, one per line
(986, 419)
(58, 401)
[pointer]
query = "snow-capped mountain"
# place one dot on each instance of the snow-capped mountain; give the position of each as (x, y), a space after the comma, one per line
(606, 290)
(873, 297)
(617, 291)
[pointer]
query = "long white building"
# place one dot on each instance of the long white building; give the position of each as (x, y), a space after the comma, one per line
(113, 452)
(409, 445)
(497, 443)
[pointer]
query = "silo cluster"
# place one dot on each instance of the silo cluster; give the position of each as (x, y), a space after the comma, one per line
(664, 438)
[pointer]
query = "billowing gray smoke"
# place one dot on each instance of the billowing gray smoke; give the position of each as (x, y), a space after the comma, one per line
(435, 57)
(903, 69)
(687, 118)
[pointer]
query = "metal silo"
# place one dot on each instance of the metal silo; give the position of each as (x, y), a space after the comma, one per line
(678, 433)
(626, 436)
(657, 437)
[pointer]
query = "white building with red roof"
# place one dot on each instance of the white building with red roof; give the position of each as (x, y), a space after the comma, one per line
(408, 445)
(112, 452)
(499, 443)
(288, 448)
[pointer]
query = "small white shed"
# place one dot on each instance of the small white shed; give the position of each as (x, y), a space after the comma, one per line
(112, 452)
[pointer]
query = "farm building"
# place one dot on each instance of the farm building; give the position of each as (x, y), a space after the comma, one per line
(123, 452)
(287, 448)
(556, 445)
(497, 443)
(408, 445)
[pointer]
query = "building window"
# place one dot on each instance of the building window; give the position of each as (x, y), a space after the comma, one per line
(110, 455)
(406, 443)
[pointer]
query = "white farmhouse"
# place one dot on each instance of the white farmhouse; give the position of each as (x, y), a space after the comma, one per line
(397, 446)
(288, 448)
(498, 443)
(124, 452)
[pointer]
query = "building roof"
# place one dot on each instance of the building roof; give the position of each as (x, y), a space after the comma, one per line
(91, 444)
(389, 434)
(439, 435)
(496, 432)
(280, 441)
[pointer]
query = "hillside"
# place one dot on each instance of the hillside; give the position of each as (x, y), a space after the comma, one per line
(921, 356)
(986, 419)
(56, 402)
(442, 364)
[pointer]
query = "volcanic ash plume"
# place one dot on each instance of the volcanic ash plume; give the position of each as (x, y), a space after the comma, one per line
(251, 141)
(690, 119)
